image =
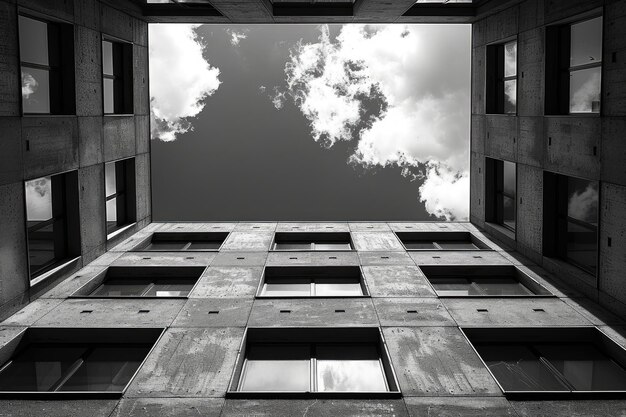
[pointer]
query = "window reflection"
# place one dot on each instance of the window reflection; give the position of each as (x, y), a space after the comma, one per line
(585, 66)
(277, 368)
(585, 90)
(582, 222)
(463, 286)
(354, 368)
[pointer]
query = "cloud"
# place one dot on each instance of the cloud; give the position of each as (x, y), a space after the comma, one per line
(278, 98)
(180, 79)
(584, 205)
(236, 37)
(39, 199)
(585, 92)
(401, 93)
(29, 85)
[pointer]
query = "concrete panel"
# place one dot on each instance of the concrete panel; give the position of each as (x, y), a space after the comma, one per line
(140, 32)
(118, 137)
(530, 207)
(313, 312)
(613, 150)
(87, 13)
(248, 241)
(106, 259)
(251, 11)
(570, 145)
(530, 143)
(614, 60)
(70, 285)
(92, 217)
(142, 134)
(458, 258)
(141, 93)
(501, 25)
(376, 241)
(412, 312)
(513, 312)
(142, 186)
(9, 333)
(377, 11)
(112, 313)
(13, 258)
(456, 407)
(427, 227)
(478, 133)
(10, 92)
(240, 259)
(593, 312)
(62, 9)
(501, 140)
(477, 188)
(116, 23)
(51, 145)
(228, 282)
(530, 14)
(479, 63)
(257, 226)
(165, 259)
(214, 312)
(88, 53)
(11, 147)
(314, 408)
(90, 141)
(613, 257)
(396, 281)
(437, 361)
(577, 408)
(193, 227)
(530, 77)
(312, 227)
(385, 258)
(312, 258)
(75, 407)
(32, 313)
(169, 407)
(89, 98)
(369, 227)
(560, 9)
(189, 363)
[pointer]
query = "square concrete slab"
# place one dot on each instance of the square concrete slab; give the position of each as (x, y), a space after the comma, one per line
(65, 408)
(9, 333)
(228, 282)
(418, 312)
(248, 241)
(313, 408)
(369, 227)
(458, 258)
(239, 259)
(165, 259)
(169, 407)
(189, 363)
(106, 259)
(312, 258)
(313, 312)
(385, 258)
(312, 227)
(397, 281)
(256, 227)
(437, 361)
(459, 407)
(32, 312)
(74, 282)
(376, 241)
(214, 312)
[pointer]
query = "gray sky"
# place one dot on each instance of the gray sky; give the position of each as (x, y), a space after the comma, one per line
(245, 159)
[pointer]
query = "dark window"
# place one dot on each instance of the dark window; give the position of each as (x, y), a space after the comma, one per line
(501, 190)
(481, 281)
(117, 77)
(574, 67)
(52, 221)
(302, 281)
(135, 282)
(440, 241)
(173, 242)
(314, 361)
(312, 242)
(551, 360)
(120, 194)
(76, 360)
(502, 78)
(47, 66)
(571, 220)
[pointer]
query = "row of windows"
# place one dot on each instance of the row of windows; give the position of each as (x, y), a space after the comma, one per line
(47, 67)
(52, 217)
(570, 212)
(573, 71)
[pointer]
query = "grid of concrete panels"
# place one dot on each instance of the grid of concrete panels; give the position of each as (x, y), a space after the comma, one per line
(190, 368)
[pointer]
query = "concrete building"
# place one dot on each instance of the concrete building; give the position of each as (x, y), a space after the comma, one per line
(539, 264)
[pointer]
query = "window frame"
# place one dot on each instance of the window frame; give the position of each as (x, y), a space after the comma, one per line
(437, 237)
(496, 78)
(312, 238)
(122, 63)
(125, 207)
(189, 237)
(495, 193)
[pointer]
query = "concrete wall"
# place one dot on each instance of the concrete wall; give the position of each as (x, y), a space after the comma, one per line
(57, 144)
(590, 147)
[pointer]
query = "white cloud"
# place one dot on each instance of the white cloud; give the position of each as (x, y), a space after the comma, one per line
(584, 205)
(29, 85)
(237, 36)
(39, 199)
(403, 93)
(585, 93)
(180, 79)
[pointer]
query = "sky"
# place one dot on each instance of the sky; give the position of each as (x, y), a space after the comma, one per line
(310, 122)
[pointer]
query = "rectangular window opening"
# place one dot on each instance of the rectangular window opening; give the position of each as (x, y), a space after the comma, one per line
(117, 77)
(307, 281)
(501, 193)
(502, 78)
(414, 241)
(119, 180)
(326, 241)
(187, 242)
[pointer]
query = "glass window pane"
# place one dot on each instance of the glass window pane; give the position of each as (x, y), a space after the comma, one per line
(584, 90)
(332, 246)
(107, 369)
(122, 287)
(585, 367)
(35, 90)
(111, 208)
(509, 178)
(33, 41)
(39, 368)
(38, 200)
(109, 179)
(345, 287)
(41, 251)
(287, 288)
(582, 200)
(108, 96)
(415, 245)
(508, 212)
(342, 368)
(510, 59)
(518, 369)
(510, 96)
(178, 287)
(165, 246)
(277, 368)
(501, 286)
(451, 286)
(292, 246)
(457, 245)
(586, 42)
(107, 57)
(205, 245)
(582, 243)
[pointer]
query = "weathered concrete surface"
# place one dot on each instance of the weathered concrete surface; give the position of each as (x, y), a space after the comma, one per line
(165, 259)
(312, 227)
(193, 227)
(214, 312)
(189, 363)
(414, 312)
(437, 361)
(376, 241)
(427, 227)
(67, 407)
(458, 258)
(577, 408)
(169, 407)
(228, 282)
(248, 241)
(313, 312)
(8, 333)
(70, 285)
(459, 407)
(313, 408)
(312, 258)
(396, 281)
(369, 227)
(593, 312)
(239, 259)
(385, 258)
(255, 227)
(32, 313)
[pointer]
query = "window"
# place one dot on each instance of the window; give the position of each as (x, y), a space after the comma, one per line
(94, 361)
(502, 78)
(304, 281)
(52, 221)
(553, 360)
(501, 189)
(571, 220)
(440, 241)
(117, 77)
(173, 242)
(574, 67)
(482, 281)
(312, 242)
(314, 362)
(142, 282)
(47, 66)
(120, 194)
